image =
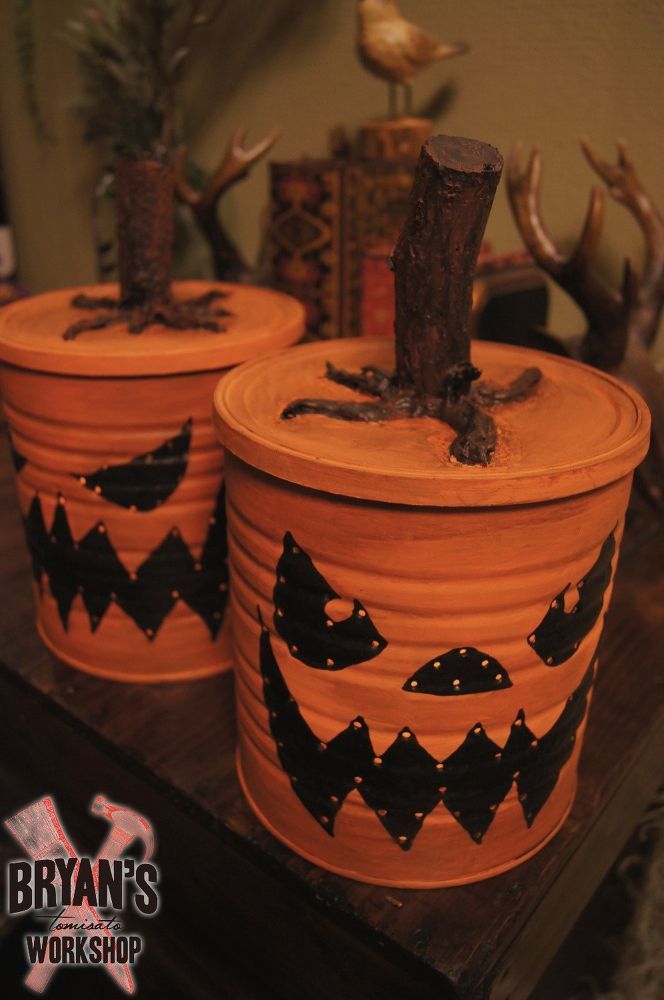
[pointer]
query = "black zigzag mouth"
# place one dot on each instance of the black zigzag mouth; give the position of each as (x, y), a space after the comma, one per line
(147, 480)
(91, 567)
(405, 783)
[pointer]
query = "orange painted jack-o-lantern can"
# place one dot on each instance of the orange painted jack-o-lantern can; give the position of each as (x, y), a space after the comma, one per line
(120, 478)
(415, 638)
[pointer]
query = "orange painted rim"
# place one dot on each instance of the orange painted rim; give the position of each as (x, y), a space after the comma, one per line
(582, 429)
(29, 334)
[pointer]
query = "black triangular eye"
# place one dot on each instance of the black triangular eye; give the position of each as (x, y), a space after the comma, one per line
(301, 596)
(464, 670)
(147, 480)
(560, 633)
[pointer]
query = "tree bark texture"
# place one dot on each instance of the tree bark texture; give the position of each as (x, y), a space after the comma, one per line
(435, 257)
(146, 192)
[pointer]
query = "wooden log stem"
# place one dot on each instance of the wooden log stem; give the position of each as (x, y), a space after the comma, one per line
(435, 257)
(434, 263)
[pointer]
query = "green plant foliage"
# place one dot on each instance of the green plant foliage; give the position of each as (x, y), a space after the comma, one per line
(130, 52)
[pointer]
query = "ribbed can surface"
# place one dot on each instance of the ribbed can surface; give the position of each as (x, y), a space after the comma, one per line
(431, 581)
(119, 494)
(120, 475)
(416, 640)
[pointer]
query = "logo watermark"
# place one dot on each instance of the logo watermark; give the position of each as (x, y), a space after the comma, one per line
(81, 899)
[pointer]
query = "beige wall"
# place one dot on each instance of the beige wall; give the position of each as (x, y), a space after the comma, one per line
(546, 71)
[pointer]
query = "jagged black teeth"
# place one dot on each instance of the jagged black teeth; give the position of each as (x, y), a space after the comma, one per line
(401, 787)
(536, 763)
(147, 480)
(91, 568)
(560, 633)
(301, 596)
(475, 781)
(464, 670)
(405, 783)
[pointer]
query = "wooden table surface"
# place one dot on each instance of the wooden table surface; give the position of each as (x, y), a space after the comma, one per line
(301, 932)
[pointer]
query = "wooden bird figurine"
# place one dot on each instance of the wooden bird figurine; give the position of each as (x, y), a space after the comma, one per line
(395, 50)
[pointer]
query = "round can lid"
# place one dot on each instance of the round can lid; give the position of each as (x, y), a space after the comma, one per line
(31, 334)
(581, 429)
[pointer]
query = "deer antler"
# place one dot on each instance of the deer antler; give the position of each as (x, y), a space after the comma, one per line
(605, 340)
(235, 165)
(622, 323)
(624, 185)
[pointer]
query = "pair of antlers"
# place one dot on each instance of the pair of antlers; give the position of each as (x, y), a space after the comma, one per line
(622, 322)
(615, 316)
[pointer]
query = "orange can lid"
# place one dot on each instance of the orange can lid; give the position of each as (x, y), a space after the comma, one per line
(580, 430)
(261, 320)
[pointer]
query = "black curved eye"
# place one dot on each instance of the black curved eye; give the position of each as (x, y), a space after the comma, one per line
(560, 633)
(301, 596)
(464, 670)
(147, 480)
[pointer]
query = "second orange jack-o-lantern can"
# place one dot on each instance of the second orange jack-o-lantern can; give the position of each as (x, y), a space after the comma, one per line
(120, 478)
(416, 640)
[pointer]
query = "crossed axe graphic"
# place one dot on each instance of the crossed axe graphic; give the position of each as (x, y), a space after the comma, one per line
(39, 831)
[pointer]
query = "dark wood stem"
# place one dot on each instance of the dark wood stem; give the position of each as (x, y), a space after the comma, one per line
(434, 260)
(146, 192)
(434, 263)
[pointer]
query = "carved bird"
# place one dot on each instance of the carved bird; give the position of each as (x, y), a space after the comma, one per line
(395, 50)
